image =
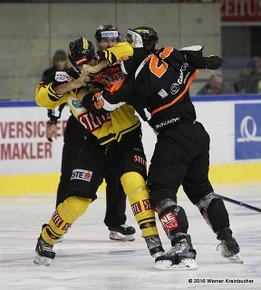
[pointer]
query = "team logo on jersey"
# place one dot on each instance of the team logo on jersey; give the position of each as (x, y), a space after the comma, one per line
(76, 104)
(174, 88)
(81, 174)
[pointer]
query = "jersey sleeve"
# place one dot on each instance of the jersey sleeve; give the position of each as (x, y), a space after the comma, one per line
(47, 98)
(55, 114)
(129, 65)
(192, 55)
(117, 52)
(111, 98)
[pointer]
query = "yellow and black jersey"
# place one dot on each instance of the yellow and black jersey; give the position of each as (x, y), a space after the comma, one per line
(118, 52)
(124, 53)
(107, 127)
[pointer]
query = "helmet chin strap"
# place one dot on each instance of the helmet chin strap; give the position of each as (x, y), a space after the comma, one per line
(134, 39)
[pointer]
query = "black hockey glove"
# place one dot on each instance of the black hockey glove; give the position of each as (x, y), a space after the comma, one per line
(213, 62)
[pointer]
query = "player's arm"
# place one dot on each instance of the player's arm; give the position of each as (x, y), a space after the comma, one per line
(51, 95)
(46, 97)
(89, 69)
(65, 87)
(111, 98)
(54, 115)
(194, 57)
(109, 57)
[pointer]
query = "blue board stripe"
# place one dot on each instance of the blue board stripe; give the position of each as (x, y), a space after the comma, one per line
(221, 98)
(17, 104)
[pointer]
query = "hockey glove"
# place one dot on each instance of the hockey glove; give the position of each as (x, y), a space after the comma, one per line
(213, 62)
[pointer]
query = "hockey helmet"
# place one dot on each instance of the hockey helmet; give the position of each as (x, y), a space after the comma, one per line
(143, 36)
(107, 32)
(81, 51)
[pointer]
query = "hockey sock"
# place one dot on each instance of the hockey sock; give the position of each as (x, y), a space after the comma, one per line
(63, 217)
(214, 211)
(173, 219)
(135, 188)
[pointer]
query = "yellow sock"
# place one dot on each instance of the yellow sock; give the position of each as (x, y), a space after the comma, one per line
(63, 217)
(135, 188)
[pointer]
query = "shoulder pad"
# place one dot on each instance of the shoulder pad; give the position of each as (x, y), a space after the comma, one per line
(62, 76)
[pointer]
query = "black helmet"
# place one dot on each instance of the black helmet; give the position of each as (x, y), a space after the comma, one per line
(143, 36)
(81, 51)
(107, 31)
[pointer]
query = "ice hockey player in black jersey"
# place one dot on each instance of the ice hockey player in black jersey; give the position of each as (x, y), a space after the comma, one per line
(158, 88)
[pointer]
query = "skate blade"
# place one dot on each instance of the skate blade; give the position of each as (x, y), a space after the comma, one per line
(115, 236)
(156, 255)
(185, 264)
(39, 260)
(237, 259)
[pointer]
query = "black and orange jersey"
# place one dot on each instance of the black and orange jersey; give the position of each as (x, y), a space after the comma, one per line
(159, 88)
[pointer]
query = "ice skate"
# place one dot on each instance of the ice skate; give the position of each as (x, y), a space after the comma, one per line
(122, 233)
(229, 246)
(154, 245)
(43, 253)
(60, 240)
(181, 256)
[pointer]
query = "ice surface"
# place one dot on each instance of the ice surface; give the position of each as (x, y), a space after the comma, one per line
(87, 259)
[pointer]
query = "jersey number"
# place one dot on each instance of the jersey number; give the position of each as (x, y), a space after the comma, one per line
(156, 68)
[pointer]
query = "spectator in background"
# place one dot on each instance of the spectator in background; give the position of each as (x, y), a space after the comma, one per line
(216, 86)
(59, 64)
(249, 80)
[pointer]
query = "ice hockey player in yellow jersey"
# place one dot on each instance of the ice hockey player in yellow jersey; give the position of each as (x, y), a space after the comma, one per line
(115, 144)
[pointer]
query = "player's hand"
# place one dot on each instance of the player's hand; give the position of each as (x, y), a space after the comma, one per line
(83, 92)
(81, 81)
(87, 90)
(88, 69)
(51, 132)
(213, 62)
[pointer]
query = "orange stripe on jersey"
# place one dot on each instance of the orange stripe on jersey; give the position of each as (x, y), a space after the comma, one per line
(193, 76)
(113, 87)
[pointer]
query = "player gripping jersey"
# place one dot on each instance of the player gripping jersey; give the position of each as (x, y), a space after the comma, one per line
(115, 142)
(158, 88)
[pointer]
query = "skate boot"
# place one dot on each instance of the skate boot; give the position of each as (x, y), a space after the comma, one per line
(122, 233)
(181, 255)
(154, 245)
(43, 253)
(229, 246)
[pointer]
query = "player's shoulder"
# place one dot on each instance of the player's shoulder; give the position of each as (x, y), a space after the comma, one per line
(123, 44)
(165, 50)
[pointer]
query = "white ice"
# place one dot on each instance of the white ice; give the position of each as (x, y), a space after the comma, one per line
(87, 259)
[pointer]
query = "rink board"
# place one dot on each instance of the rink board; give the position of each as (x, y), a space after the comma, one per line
(29, 163)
